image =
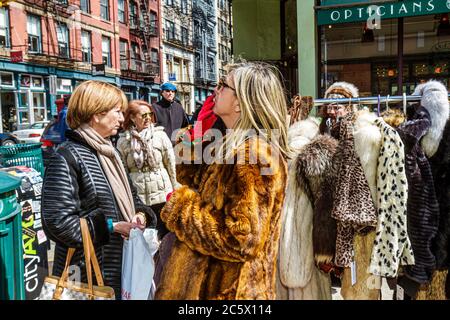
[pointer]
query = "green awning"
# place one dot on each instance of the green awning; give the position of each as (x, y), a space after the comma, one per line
(363, 11)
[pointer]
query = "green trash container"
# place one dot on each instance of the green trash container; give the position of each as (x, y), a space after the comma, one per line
(12, 285)
(28, 154)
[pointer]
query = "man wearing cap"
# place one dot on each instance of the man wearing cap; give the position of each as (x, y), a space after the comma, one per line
(169, 113)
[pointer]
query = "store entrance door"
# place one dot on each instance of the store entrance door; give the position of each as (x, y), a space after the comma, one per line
(23, 110)
(8, 111)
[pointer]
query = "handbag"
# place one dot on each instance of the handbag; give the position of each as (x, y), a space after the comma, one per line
(55, 288)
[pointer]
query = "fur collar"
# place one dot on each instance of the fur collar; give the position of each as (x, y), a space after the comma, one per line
(435, 100)
(302, 132)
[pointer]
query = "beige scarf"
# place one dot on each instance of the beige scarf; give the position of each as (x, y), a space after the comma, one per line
(113, 167)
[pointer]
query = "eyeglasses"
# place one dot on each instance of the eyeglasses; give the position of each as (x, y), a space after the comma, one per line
(147, 115)
(223, 84)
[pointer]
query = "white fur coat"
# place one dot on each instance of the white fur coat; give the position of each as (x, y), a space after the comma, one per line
(299, 278)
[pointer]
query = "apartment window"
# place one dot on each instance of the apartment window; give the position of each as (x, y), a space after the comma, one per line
(104, 9)
(169, 2)
(155, 56)
(62, 33)
(153, 22)
(184, 6)
(85, 6)
(121, 9)
(4, 28)
(123, 54)
(86, 46)
(34, 33)
(170, 30)
(135, 55)
(184, 35)
(133, 14)
(106, 51)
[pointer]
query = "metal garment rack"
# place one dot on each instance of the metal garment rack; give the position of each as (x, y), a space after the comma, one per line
(369, 100)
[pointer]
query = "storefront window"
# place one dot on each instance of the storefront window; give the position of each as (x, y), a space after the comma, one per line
(6, 79)
(38, 106)
(369, 58)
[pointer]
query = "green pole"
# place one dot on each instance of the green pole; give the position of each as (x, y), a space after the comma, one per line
(307, 49)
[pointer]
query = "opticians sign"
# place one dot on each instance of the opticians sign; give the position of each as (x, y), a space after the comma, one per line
(367, 11)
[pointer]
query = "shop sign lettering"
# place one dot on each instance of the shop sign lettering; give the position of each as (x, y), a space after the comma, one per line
(406, 8)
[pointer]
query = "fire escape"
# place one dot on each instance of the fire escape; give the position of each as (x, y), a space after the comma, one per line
(204, 43)
(145, 29)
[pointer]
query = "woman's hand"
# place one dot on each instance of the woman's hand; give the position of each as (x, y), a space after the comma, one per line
(139, 218)
(124, 228)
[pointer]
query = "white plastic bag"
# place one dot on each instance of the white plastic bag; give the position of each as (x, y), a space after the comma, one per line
(138, 266)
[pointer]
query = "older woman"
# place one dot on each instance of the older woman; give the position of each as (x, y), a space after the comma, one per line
(148, 153)
(226, 217)
(86, 179)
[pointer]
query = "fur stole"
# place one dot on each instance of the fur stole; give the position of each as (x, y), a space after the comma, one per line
(435, 100)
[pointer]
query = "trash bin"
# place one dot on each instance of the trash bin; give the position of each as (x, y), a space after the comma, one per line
(11, 249)
(28, 154)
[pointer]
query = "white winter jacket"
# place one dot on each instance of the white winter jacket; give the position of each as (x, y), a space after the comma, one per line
(152, 185)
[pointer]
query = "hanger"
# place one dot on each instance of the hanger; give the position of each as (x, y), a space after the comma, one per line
(404, 103)
(387, 102)
(378, 106)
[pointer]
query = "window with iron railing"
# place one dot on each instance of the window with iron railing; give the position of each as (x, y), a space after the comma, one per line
(133, 14)
(153, 23)
(86, 46)
(4, 28)
(62, 33)
(34, 34)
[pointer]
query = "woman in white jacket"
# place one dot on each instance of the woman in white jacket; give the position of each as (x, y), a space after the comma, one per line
(148, 154)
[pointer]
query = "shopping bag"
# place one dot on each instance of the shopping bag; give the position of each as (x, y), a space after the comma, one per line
(138, 266)
(55, 288)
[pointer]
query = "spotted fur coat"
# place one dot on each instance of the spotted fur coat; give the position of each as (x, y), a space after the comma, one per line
(392, 246)
(227, 230)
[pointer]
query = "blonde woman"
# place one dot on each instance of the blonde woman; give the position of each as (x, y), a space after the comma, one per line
(86, 179)
(226, 217)
(148, 153)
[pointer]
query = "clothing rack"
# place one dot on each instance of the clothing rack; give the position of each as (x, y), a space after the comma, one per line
(369, 100)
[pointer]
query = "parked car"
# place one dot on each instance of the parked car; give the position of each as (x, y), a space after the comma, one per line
(8, 139)
(51, 138)
(31, 133)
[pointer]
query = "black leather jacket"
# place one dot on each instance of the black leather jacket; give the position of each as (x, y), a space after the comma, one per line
(75, 186)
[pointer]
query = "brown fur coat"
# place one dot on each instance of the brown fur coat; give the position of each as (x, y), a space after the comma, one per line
(227, 229)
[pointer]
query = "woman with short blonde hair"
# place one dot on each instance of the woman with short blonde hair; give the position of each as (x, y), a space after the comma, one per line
(226, 217)
(86, 179)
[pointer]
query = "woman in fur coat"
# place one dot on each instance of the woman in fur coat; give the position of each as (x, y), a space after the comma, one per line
(227, 219)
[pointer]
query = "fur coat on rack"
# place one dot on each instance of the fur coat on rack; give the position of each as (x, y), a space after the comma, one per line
(299, 278)
(367, 144)
(422, 136)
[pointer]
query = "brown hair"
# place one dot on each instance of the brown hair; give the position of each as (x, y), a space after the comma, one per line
(93, 97)
(133, 110)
